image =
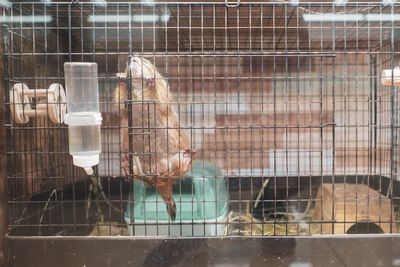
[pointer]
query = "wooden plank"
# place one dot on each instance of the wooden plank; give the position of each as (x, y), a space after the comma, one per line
(289, 119)
(230, 161)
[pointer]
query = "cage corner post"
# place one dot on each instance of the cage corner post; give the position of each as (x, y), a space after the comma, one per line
(3, 160)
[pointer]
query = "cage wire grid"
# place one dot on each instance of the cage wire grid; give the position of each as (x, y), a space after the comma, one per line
(284, 99)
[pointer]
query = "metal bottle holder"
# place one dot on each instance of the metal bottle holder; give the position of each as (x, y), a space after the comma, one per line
(51, 102)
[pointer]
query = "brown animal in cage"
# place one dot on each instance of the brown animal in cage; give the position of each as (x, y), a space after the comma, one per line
(161, 146)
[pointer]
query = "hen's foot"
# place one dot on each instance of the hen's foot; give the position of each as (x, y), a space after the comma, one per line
(125, 163)
(188, 152)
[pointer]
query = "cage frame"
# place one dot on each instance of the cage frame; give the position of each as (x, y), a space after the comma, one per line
(38, 244)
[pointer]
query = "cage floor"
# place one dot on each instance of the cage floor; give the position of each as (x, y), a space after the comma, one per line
(69, 215)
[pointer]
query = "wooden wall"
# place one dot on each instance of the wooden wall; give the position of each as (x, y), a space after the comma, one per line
(305, 107)
(314, 117)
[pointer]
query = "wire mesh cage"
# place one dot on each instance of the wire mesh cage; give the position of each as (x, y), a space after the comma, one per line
(256, 119)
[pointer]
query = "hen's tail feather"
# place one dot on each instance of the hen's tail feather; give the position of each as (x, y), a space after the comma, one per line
(166, 193)
(171, 208)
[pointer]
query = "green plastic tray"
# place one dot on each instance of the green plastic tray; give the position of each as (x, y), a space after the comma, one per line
(200, 195)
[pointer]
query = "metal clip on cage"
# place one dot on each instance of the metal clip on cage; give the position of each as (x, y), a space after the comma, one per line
(232, 3)
(51, 102)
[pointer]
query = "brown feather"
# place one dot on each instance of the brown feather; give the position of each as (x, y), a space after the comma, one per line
(160, 142)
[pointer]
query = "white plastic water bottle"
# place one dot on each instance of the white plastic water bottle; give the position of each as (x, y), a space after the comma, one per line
(83, 117)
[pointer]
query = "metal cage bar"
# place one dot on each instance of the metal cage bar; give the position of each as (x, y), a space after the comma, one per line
(294, 132)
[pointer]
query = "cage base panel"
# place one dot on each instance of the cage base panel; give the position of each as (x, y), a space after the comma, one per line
(371, 250)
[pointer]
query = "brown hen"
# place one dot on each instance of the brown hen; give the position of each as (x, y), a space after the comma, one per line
(160, 145)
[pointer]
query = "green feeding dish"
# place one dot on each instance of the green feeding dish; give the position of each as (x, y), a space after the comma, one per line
(200, 197)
